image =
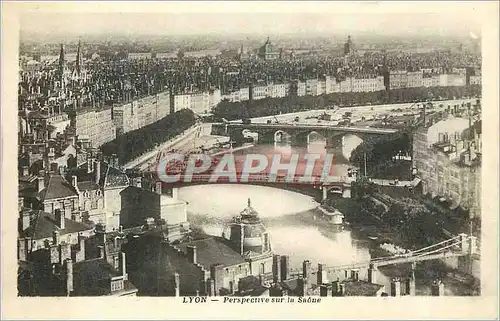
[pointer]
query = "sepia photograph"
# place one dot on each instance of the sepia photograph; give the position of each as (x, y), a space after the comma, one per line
(259, 156)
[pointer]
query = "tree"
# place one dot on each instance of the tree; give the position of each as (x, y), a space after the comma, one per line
(362, 188)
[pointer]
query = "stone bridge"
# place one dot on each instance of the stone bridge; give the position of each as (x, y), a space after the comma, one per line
(299, 134)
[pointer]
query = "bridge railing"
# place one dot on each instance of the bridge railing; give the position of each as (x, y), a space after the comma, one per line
(262, 177)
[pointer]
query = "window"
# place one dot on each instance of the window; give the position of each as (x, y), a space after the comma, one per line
(116, 262)
(262, 268)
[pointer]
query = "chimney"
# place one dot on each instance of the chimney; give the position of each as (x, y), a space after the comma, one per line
(90, 165)
(80, 254)
(191, 254)
(262, 279)
(74, 182)
(138, 182)
(211, 287)
(176, 284)
(158, 187)
(284, 269)
(372, 273)
(395, 288)
(341, 289)
(276, 268)
(175, 193)
(323, 290)
(306, 270)
(26, 220)
(21, 249)
(335, 288)
(437, 288)
(410, 284)
(101, 251)
(322, 274)
(97, 171)
(59, 216)
(69, 276)
(41, 180)
(123, 265)
(100, 231)
(55, 238)
(216, 274)
(301, 286)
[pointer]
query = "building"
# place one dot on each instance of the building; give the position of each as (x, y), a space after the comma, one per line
(268, 51)
(447, 159)
(139, 55)
(249, 237)
(97, 125)
(140, 205)
(348, 46)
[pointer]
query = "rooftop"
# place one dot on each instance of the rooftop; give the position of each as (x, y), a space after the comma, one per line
(361, 288)
(91, 277)
(213, 250)
(57, 188)
(44, 224)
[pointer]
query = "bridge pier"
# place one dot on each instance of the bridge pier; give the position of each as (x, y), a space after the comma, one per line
(346, 192)
(334, 140)
(299, 139)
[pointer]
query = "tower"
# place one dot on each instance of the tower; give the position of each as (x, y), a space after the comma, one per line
(61, 70)
(249, 237)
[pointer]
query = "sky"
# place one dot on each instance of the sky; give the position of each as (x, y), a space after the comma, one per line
(255, 21)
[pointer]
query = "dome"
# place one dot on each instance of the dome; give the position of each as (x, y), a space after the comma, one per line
(248, 234)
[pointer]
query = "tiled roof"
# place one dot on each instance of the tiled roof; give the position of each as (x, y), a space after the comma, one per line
(44, 225)
(88, 277)
(57, 188)
(87, 186)
(213, 250)
(115, 178)
(361, 288)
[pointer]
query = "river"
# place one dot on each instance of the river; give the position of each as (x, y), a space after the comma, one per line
(290, 219)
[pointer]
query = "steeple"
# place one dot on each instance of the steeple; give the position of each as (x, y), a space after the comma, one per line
(249, 203)
(78, 58)
(61, 61)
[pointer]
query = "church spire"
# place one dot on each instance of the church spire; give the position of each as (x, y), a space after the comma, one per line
(78, 58)
(61, 60)
(249, 203)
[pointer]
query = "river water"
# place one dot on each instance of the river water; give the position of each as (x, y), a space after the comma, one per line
(290, 219)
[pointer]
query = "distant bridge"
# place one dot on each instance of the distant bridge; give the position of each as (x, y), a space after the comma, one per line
(299, 133)
(311, 127)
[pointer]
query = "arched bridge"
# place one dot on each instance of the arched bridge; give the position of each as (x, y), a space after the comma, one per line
(299, 133)
(329, 184)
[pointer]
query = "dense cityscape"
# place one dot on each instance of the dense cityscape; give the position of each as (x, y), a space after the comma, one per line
(95, 117)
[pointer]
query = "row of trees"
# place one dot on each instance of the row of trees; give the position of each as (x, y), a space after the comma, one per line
(416, 223)
(137, 142)
(380, 150)
(290, 104)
